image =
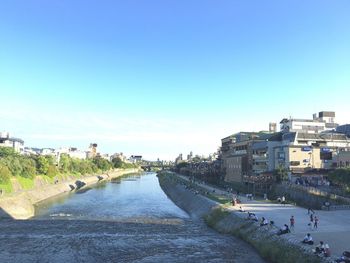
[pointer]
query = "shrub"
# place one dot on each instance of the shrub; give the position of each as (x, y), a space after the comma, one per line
(52, 171)
(5, 174)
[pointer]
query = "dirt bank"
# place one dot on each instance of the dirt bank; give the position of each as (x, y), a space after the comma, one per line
(271, 247)
(21, 204)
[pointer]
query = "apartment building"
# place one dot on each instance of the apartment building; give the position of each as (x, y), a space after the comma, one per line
(237, 154)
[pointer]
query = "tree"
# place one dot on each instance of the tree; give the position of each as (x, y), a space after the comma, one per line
(52, 170)
(7, 151)
(102, 164)
(5, 174)
(28, 167)
(64, 164)
(117, 162)
(42, 165)
(281, 173)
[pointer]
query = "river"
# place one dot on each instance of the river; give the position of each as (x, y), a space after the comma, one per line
(127, 220)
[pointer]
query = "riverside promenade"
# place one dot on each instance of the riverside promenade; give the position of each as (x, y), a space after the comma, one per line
(333, 226)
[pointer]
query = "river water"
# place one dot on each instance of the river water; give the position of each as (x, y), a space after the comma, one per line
(134, 196)
(127, 220)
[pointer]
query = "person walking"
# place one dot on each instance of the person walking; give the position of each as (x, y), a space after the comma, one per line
(311, 224)
(292, 221)
(315, 222)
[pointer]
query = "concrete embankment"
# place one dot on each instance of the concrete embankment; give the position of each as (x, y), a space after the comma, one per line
(21, 205)
(264, 239)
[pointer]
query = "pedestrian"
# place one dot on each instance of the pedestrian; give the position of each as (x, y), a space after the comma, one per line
(310, 211)
(283, 200)
(311, 224)
(292, 221)
(315, 222)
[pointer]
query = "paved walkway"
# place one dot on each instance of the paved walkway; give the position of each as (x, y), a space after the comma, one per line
(333, 226)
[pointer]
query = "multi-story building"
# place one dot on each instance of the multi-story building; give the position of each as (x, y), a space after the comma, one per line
(237, 154)
(324, 121)
(14, 143)
(300, 151)
(301, 145)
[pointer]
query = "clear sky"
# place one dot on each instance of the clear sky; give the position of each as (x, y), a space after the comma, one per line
(163, 77)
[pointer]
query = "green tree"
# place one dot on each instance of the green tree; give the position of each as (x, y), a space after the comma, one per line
(281, 173)
(64, 164)
(5, 174)
(102, 164)
(42, 165)
(7, 151)
(28, 167)
(117, 162)
(52, 170)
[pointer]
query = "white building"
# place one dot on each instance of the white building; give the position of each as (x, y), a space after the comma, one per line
(324, 121)
(14, 143)
(135, 158)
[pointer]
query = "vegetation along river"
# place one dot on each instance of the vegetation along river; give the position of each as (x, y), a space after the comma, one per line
(126, 220)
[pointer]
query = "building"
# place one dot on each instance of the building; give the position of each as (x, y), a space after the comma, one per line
(135, 158)
(344, 129)
(92, 151)
(14, 143)
(190, 156)
(48, 151)
(121, 156)
(178, 159)
(263, 155)
(237, 154)
(302, 151)
(343, 159)
(324, 121)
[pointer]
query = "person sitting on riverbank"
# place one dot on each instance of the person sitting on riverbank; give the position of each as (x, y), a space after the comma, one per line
(327, 251)
(252, 216)
(345, 258)
(283, 230)
(319, 249)
(264, 222)
(241, 209)
(308, 239)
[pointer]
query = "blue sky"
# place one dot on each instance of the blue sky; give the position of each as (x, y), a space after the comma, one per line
(163, 77)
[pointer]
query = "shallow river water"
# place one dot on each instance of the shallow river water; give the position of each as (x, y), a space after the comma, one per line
(127, 220)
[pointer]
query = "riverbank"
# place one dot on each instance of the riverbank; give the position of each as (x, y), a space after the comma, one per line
(271, 247)
(20, 205)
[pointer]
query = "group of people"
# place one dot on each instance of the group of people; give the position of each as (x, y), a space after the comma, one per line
(322, 249)
(287, 229)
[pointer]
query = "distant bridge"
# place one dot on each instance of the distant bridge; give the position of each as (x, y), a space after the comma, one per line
(154, 167)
